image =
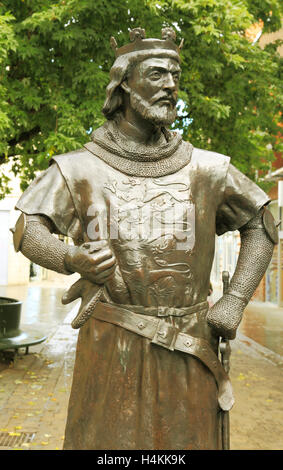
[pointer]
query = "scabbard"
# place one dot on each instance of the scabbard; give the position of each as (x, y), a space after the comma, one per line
(225, 350)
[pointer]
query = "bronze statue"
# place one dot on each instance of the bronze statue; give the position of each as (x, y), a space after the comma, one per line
(143, 207)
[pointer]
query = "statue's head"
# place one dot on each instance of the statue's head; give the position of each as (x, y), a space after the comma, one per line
(145, 76)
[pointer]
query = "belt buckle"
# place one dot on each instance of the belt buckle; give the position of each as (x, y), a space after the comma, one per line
(165, 335)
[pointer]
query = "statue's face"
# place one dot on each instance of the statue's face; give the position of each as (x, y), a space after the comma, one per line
(153, 88)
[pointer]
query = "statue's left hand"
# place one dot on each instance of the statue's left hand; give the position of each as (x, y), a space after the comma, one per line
(225, 316)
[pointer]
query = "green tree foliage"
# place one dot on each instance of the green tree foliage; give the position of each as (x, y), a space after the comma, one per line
(55, 60)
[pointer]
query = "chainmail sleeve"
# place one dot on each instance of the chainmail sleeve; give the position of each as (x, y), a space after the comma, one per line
(242, 208)
(43, 248)
(254, 257)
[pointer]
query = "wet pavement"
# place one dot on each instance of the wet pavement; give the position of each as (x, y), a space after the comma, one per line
(34, 390)
(263, 323)
(41, 303)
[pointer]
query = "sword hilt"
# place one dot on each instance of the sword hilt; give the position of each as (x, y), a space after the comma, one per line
(225, 281)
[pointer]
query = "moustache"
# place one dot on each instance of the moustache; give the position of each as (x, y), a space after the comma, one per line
(170, 99)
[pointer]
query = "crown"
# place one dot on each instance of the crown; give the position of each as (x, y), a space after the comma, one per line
(140, 43)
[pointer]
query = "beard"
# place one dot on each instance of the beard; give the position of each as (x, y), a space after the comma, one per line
(158, 113)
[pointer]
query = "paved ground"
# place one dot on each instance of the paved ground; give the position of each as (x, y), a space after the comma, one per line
(257, 378)
(34, 393)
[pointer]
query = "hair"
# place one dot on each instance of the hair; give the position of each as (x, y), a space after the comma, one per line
(119, 72)
(114, 94)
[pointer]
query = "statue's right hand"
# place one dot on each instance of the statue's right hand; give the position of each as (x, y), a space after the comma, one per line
(94, 261)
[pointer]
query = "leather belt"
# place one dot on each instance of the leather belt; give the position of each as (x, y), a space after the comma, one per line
(162, 311)
(171, 338)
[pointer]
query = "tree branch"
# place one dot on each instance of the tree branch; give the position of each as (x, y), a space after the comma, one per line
(22, 138)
